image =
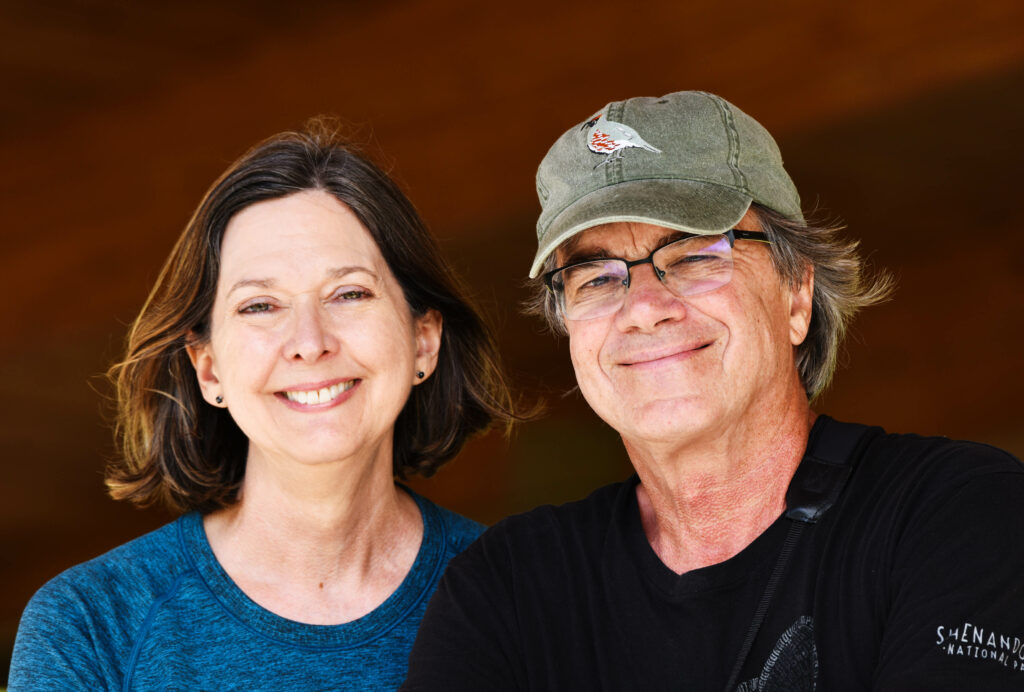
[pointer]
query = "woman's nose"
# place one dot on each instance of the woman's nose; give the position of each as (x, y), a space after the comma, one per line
(311, 337)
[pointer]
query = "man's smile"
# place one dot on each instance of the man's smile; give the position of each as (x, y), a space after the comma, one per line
(662, 356)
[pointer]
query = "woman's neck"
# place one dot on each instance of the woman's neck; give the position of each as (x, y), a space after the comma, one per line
(321, 544)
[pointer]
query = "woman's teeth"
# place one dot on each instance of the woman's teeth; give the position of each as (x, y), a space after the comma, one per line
(320, 396)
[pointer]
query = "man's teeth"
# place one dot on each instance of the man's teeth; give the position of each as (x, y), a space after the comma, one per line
(320, 396)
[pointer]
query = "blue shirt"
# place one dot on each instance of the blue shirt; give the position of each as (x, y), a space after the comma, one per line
(159, 612)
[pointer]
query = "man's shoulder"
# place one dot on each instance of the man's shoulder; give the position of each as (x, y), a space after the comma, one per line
(925, 539)
(900, 474)
(936, 455)
(591, 510)
(578, 528)
(541, 557)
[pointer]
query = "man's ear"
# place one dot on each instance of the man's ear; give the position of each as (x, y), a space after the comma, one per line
(800, 306)
(428, 328)
(201, 355)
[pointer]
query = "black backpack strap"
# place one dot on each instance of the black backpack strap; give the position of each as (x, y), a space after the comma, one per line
(824, 470)
(816, 485)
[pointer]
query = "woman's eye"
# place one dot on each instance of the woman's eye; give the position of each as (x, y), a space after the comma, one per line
(254, 308)
(350, 294)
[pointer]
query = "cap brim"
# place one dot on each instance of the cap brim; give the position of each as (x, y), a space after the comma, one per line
(682, 205)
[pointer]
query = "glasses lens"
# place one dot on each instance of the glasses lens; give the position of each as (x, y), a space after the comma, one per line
(695, 265)
(592, 289)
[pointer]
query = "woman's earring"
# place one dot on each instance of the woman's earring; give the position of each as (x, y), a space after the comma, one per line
(219, 399)
(420, 374)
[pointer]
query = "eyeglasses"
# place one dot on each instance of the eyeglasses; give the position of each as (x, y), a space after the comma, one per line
(689, 266)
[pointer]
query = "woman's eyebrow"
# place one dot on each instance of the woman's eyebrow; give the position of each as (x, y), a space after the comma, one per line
(333, 273)
(339, 272)
(258, 283)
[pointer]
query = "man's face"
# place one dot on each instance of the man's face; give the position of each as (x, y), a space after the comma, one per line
(668, 370)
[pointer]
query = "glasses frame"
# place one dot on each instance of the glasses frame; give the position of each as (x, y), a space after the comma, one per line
(733, 234)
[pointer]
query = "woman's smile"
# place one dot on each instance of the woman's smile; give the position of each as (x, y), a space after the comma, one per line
(319, 397)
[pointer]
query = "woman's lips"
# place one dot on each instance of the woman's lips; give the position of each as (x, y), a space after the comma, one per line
(320, 395)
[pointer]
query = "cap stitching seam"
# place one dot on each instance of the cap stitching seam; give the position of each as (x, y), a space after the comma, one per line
(613, 173)
(734, 148)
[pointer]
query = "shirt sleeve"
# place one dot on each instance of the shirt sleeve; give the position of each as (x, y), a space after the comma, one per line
(468, 639)
(54, 647)
(956, 619)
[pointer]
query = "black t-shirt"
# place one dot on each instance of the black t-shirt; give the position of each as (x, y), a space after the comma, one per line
(913, 580)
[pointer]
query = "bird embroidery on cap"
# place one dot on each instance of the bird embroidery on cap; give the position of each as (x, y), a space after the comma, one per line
(611, 138)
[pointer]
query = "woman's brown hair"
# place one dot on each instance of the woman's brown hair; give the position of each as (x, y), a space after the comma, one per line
(177, 449)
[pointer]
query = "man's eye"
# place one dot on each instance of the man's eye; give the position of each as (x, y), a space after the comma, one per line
(590, 277)
(689, 260)
(598, 281)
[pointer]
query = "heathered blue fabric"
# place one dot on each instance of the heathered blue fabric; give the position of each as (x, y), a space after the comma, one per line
(159, 612)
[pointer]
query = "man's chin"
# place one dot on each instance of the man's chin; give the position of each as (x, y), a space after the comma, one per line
(663, 421)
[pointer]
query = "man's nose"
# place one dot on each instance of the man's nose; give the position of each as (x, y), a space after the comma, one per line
(648, 302)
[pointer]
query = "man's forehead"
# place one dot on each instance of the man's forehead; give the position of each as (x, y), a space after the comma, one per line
(617, 239)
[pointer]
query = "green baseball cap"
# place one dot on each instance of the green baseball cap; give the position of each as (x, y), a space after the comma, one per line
(689, 161)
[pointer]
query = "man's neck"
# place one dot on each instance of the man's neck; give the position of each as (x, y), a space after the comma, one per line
(703, 503)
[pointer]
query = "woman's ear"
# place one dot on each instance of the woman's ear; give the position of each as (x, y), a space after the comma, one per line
(428, 327)
(201, 355)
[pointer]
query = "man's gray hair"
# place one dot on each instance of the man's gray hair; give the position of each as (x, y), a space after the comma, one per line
(842, 286)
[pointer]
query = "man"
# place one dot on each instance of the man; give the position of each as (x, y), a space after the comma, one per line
(759, 546)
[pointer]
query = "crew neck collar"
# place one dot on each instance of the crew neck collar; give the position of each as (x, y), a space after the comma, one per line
(424, 572)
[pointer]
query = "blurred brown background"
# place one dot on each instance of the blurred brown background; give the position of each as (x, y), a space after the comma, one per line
(905, 119)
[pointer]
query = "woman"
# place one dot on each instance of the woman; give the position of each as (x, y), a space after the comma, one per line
(304, 345)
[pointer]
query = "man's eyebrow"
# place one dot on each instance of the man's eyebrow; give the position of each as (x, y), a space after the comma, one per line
(574, 255)
(571, 251)
(333, 273)
(671, 237)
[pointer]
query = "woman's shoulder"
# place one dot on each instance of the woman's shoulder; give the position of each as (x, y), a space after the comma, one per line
(457, 531)
(81, 623)
(132, 573)
(461, 530)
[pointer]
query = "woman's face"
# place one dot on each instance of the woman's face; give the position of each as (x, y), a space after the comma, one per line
(312, 345)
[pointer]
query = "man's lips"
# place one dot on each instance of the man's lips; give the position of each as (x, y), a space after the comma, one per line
(661, 355)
